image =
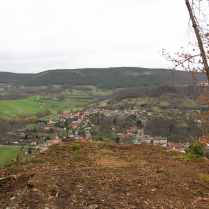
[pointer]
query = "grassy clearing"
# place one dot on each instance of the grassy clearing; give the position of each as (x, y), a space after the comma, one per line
(153, 108)
(102, 103)
(142, 100)
(56, 86)
(75, 92)
(11, 109)
(53, 115)
(153, 101)
(8, 153)
(67, 105)
(23, 87)
(87, 97)
(129, 101)
(94, 91)
(164, 103)
(102, 93)
(189, 103)
(45, 97)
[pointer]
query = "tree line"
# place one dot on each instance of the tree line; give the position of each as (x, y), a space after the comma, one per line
(107, 78)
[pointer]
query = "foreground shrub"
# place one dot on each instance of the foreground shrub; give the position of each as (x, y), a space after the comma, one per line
(195, 153)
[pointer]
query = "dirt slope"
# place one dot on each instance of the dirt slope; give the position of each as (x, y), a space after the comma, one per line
(100, 175)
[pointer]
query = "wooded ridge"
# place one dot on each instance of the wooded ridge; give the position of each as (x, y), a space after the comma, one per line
(102, 77)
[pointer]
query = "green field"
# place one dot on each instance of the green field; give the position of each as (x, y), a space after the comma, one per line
(164, 103)
(153, 108)
(189, 103)
(8, 153)
(67, 105)
(75, 92)
(102, 103)
(102, 93)
(13, 108)
(74, 100)
(142, 100)
(53, 115)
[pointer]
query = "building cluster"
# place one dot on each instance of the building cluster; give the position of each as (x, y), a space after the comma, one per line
(78, 126)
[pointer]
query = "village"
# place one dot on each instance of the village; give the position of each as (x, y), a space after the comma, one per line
(95, 124)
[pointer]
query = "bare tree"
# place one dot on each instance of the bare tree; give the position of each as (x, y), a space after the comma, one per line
(190, 59)
(198, 29)
(193, 61)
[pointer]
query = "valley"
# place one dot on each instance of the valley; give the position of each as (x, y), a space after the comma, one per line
(102, 144)
(37, 114)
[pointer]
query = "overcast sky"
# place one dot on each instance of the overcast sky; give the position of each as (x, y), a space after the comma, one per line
(39, 35)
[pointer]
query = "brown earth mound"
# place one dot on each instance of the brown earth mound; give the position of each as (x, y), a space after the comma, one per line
(101, 175)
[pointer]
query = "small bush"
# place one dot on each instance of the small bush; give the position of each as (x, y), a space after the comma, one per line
(195, 153)
(30, 183)
(204, 177)
(196, 149)
(190, 157)
(75, 146)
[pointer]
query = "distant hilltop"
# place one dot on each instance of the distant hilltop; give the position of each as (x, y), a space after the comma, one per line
(107, 78)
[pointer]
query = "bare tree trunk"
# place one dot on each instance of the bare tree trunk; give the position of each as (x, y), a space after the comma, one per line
(200, 44)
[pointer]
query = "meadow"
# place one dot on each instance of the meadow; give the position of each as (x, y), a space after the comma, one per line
(189, 103)
(76, 99)
(94, 91)
(8, 153)
(13, 108)
(67, 105)
(53, 115)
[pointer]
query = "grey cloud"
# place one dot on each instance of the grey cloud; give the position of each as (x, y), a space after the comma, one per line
(40, 35)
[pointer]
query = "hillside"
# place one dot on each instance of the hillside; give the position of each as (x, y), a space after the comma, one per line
(6, 77)
(101, 175)
(102, 78)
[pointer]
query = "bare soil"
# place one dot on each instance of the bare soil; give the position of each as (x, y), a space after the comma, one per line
(101, 175)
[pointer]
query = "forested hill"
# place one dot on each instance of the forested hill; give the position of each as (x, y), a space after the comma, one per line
(102, 77)
(6, 77)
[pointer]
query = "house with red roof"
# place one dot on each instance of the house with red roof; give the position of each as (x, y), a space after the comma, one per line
(187, 145)
(74, 126)
(33, 143)
(113, 128)
(170, 145)
(133, 129)
(81, 139)
(106, 113)
(129, 132)
(124, 135)
(76, 114)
